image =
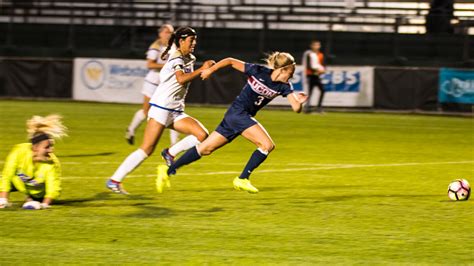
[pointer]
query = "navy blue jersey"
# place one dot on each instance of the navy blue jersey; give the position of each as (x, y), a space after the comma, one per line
(259, 90)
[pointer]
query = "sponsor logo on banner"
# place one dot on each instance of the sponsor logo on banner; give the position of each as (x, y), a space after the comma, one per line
(341, 81)
(93, 74)
(109, 80)
(345, 86)
(456, 86)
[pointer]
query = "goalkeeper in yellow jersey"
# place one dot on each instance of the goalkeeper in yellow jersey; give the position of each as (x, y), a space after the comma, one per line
(32, 168)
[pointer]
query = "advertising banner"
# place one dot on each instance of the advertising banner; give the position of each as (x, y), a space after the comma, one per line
(109, 80)
(345, 86)
(456, 86)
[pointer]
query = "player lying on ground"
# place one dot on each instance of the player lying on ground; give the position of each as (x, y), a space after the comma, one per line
(156, 59)
(263, 85)
(167, 108)
(32, 168)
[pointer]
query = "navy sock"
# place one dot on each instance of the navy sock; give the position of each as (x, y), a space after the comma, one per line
(255, 160)
(188, 157)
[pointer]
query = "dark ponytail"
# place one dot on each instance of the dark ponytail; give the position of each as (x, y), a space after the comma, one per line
(180, 33)
(164, 55)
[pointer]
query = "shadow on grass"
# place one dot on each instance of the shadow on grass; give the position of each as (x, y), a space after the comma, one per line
(148, 211)
(83, 202)
(87, 155)
(224, 189)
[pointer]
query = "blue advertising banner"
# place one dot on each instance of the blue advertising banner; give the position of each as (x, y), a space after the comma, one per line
(346, 86)
(456, 86)
(342, 81)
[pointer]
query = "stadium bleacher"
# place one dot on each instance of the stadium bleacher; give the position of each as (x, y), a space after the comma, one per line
(354, 32)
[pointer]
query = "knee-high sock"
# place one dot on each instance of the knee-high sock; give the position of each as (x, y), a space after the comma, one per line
(174, 137)
(136, 121)
(183, 145)
(129, 164)
(188, 157)
(255, 160)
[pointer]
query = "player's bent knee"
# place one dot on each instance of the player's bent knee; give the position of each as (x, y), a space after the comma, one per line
(267, 147)
(204, 151)
(202, 136)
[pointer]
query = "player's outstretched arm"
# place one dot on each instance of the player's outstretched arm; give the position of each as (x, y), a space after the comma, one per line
(297, 101)
(184, 78)
(229, 61)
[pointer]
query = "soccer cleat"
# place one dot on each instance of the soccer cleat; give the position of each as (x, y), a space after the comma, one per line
(129, 137)
(245, 185)
(116, 187)
(169, 159)
(162, 178)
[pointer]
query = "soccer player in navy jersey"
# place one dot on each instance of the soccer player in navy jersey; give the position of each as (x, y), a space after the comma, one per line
(264, 83)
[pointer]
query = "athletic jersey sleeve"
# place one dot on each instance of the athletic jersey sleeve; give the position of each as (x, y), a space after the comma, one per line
(152, 54)
(53, 181)
(314, 62)
(9, 170)
(251, 69)
(177, 64)
(287, 89)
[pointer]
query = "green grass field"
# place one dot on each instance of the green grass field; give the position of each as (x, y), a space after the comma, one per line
(340, 188)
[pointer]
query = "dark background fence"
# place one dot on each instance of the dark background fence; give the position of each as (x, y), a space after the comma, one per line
(397, 88)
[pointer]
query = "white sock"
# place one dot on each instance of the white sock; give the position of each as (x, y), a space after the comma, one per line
(183, 145)
(174, 136)
(131, 162)
(136, 121)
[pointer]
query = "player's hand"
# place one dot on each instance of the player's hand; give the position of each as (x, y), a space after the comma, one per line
(301, 97)
(45, 206)
(209, 63)
(206, 73)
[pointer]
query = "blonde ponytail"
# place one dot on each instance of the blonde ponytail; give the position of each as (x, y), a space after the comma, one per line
(50, 125)
(277, 60)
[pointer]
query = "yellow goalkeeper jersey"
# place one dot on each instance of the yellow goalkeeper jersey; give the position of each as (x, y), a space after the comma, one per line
(39, 180)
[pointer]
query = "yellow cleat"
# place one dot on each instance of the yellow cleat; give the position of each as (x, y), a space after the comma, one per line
(245, 185)
(162, 178)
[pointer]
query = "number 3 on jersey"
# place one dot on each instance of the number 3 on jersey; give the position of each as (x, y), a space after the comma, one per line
(259, 100)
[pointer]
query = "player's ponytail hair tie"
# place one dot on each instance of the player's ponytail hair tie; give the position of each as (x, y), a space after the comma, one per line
(180, 33)
(42, 128)
(278, 60)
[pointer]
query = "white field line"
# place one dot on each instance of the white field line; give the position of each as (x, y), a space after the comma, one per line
(334, 167)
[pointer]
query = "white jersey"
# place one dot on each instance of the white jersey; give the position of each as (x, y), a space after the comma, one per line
(154, 53)
(170, 94)
(312, 61)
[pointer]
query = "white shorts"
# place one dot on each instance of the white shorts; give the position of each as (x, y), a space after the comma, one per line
(165, 117)
(148, 88)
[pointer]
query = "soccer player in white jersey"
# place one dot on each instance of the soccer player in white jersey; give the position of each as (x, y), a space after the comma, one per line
(155, 62)
(167, 107)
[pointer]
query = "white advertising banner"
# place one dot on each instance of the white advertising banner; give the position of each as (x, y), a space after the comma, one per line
(109, 80)
(346, 86)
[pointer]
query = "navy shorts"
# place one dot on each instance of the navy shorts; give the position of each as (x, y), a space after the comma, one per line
(234, 123)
